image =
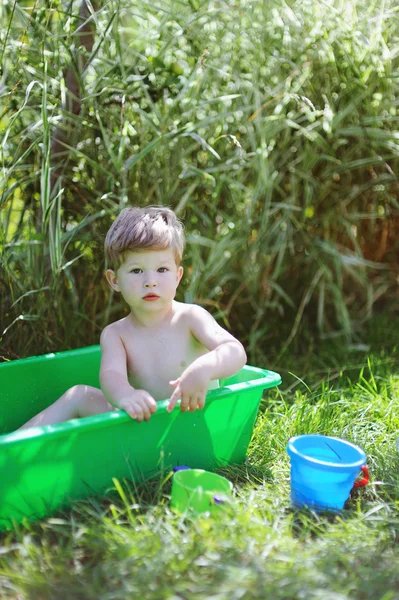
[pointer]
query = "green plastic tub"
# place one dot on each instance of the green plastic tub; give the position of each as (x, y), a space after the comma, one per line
(43, 469)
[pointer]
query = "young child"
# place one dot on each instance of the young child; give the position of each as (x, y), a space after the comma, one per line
(163, 348)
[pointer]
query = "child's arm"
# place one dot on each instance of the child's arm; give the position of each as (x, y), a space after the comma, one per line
(226, 357)
(115, 386)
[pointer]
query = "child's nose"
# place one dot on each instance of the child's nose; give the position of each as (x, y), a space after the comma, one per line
(150, 281)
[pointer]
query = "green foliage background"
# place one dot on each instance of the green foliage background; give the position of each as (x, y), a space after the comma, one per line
(270, 127)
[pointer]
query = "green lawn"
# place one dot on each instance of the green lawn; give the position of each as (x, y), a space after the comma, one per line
(130, 545)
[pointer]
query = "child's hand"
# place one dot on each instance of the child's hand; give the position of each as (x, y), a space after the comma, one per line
(191, 387)
(139, 405)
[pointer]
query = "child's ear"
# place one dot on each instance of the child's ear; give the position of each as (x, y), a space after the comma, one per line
(112, 280)
(180, 271)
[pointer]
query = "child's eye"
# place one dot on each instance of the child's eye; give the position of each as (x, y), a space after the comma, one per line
(162, 270)
(136, 271)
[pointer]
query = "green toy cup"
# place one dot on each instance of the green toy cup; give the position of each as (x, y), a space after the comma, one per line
(199, 491)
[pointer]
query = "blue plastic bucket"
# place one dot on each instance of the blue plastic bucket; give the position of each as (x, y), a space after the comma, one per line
(324, 470)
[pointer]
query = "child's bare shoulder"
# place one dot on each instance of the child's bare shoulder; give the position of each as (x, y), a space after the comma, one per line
(204, 327)
(190, 313)
(113, 331)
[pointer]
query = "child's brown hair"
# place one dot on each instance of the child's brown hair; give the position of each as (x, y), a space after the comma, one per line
(147, 228)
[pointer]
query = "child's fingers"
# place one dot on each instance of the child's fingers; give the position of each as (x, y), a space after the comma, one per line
(152, 405)
(129, 409)
(193, 403)
(173, 399)
(131, 412)
(149, 406)
(146, 412)
(137, 411)
(185, 402)
(201, 401)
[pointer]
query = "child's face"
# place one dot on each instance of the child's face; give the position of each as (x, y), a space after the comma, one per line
(147, 279)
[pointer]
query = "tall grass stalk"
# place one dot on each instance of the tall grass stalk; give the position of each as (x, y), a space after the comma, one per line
(272, 129)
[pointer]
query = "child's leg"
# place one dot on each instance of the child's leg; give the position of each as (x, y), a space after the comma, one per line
(78, 401)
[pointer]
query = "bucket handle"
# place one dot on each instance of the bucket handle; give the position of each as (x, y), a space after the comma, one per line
(365, 479)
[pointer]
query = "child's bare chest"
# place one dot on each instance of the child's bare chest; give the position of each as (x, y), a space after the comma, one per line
(157, 358)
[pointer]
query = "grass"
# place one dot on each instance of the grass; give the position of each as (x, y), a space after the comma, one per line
(130, 545)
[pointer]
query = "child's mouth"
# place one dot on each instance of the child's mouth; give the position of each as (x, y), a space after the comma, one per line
(151, 297)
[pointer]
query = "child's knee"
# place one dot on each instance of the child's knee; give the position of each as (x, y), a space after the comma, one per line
(81, 395)
(76, 392)
(87, 400)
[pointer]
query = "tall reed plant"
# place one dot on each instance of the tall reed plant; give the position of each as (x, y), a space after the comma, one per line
(270, 127)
